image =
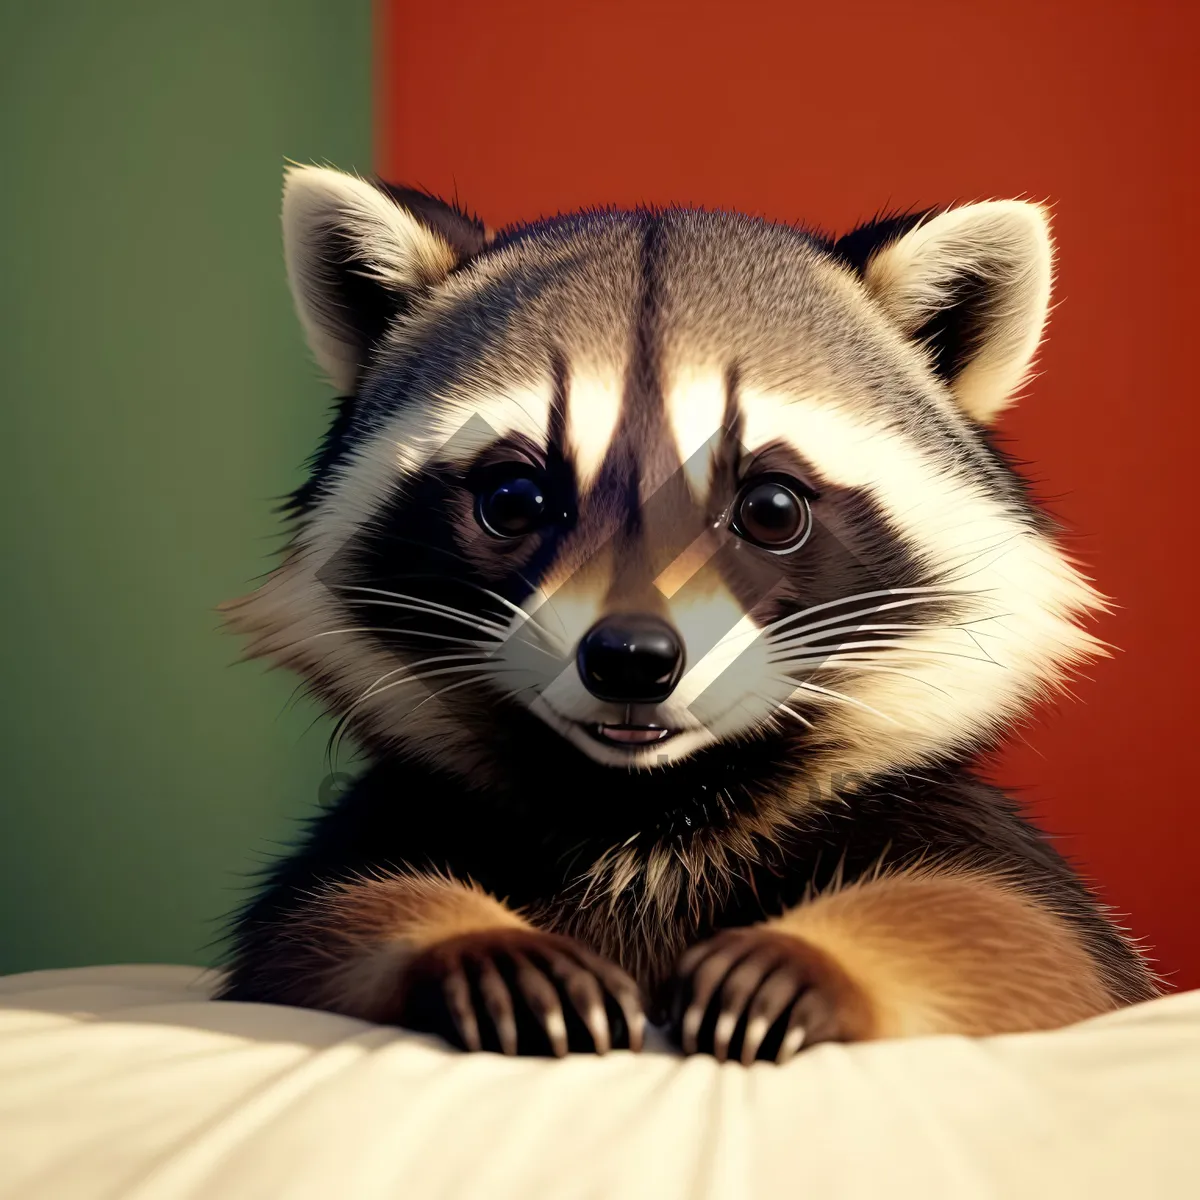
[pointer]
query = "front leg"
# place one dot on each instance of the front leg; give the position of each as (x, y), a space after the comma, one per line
(433, 954)
(903, 955)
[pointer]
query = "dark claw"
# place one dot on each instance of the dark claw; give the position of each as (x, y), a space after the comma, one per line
(542, 997)
(770, 1002)
(584, 994)
(499, 1004)
(623, 990)
(739, 988)
(520, 991)
(757, 994)
(458, 999)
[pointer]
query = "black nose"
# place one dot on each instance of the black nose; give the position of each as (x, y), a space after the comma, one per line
(631, 659)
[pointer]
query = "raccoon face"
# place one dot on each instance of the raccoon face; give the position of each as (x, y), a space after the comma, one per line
(652, 483)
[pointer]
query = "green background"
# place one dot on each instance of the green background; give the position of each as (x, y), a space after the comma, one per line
(157, 398)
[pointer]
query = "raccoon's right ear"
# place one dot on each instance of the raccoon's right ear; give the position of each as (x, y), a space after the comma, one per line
(971, 285)
(357, 254)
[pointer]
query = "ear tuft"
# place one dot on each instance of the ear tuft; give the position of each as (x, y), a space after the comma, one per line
(356, 256)
(972, 286)
(462, 231)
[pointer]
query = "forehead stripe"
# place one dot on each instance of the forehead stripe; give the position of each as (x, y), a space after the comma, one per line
(697, 409)
(593, 409)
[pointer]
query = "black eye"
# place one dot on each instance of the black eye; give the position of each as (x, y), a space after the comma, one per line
(772, 514)
(512, 502)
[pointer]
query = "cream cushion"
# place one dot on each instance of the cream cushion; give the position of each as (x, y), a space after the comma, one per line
(129, 1081)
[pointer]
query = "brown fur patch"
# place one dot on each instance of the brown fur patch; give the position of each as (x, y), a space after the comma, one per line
(364, 934)
(951, 952)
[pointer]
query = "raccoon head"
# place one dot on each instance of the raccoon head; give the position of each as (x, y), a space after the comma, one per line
(654, 483)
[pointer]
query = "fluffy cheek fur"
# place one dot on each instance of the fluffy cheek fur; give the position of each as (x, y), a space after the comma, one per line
(944, 686)
(295, 620)
(296, 617)
(1017, 601)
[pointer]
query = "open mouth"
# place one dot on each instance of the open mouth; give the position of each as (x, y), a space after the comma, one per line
(631, 736)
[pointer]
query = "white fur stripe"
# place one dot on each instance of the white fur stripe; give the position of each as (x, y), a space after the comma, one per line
(695, 402)
(593, 409)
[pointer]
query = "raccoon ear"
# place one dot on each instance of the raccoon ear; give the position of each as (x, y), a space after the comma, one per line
(972, 285)
(357, 254)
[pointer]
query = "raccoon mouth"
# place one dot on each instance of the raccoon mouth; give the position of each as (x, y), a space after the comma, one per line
(629, 735)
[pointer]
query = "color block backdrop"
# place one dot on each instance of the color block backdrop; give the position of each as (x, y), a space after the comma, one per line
(158, 397)
(829, 112)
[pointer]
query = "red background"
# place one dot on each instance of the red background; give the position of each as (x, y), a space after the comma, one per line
(826, 113)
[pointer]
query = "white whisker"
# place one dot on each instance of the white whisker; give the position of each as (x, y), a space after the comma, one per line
(335, 738)
(482, 678)
(825, 663)
(413, 669)
(768, 631)
(805, 686)
(526, 617)
(791, 712)
(802, 637)
(419, 676)
(534, 587)
(429, 608)
(448, 612)
(399, 632)
(918, 595)
(829, 651)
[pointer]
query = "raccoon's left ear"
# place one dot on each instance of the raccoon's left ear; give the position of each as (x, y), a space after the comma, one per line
(357, 255)
(972, 285)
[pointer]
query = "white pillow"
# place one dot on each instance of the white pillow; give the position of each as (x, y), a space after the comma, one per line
(127, 1081)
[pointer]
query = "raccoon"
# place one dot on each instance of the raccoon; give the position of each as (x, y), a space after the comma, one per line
(664, 566)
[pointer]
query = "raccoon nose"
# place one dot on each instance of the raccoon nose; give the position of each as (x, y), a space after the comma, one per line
(631, 659)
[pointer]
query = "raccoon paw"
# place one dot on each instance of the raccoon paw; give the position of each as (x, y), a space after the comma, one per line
(760, 993)
(520, 991)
